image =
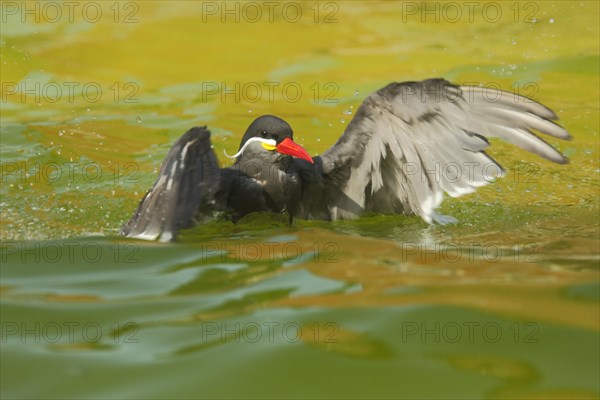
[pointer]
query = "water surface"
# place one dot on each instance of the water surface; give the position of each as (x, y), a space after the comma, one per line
(503, 304)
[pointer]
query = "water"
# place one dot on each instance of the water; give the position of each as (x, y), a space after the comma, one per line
(503, 304)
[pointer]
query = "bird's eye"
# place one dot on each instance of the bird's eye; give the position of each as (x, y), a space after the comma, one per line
(263, 133)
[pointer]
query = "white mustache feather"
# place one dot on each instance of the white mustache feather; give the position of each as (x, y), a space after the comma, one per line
(270, 142)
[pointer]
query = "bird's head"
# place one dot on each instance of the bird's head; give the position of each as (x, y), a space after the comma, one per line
(270, 136)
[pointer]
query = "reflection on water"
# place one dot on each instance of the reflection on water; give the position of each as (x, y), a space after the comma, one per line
(262, 314)
(503, 304)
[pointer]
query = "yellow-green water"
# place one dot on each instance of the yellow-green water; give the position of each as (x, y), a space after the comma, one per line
(504, 304)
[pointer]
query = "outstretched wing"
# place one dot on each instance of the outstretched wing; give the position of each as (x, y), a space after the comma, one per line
(188, 181)
(411, 142)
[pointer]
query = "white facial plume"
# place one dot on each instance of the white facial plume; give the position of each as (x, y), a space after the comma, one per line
(268, 142)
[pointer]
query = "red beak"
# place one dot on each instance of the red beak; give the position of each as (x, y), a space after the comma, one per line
(289, 147)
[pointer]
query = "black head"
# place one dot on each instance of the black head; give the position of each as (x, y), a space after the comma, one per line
(268, 139)
(268, 127)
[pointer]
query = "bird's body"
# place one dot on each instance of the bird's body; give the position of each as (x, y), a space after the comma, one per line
(254, 187)
(408, 144)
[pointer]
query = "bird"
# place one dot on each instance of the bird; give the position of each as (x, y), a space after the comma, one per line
(408, 144)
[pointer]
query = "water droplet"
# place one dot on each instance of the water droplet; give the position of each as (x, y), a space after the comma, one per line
(356, 92)
(551, 20)
(330, 124)
(347, 112)
(250, 111)
(318, 139)
(343, 121)
(138, 119)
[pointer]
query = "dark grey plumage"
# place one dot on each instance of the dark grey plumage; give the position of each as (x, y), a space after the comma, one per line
(399, 152)
(185, 190)
(192, 188)
(407, 144)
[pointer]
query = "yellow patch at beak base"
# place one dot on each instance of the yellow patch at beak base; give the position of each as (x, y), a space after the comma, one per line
(268, 146)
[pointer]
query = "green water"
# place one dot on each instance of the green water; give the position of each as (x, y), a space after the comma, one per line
(504, 304)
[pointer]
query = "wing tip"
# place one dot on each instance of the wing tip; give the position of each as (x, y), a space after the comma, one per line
(201, 132)
(567, 137)
(557, 131)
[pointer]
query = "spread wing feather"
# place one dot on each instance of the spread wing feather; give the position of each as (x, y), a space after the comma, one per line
(187, 183)
(411, 142)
